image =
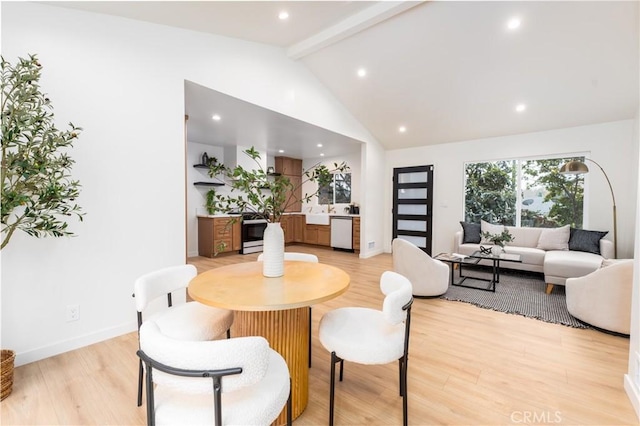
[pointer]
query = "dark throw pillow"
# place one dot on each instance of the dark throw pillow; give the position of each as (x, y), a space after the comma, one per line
(471, 233)
(583, 240)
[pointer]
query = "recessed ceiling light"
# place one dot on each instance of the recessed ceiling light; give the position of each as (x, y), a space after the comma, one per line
(513, 23)
(319, 145)
(521, 107)
(402, 129)
(215, 117)
(284, 15)
(362, 72)
(321, 155)
(281, 151)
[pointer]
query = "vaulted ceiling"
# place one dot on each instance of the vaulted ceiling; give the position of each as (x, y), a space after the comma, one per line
(445, 71)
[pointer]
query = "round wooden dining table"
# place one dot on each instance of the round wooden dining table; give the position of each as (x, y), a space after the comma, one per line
(275, 308)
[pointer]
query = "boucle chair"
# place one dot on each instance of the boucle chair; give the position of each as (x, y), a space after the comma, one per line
(429, 277)
(300, 257)
(239, 381)
(185, 321)
(371, 336)
(603, 297)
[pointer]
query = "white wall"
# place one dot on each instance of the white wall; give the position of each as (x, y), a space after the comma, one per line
(609, 144)
(632, 378)
(123, 81)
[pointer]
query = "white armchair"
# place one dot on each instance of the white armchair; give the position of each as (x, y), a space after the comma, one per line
(603, 297)
(429, 277)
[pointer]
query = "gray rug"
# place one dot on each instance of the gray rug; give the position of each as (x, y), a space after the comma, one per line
(518, 293)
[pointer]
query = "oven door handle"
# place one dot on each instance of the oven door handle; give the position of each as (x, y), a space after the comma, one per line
(254, 221)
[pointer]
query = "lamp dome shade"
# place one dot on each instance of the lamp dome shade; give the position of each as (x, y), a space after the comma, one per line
(574, 168)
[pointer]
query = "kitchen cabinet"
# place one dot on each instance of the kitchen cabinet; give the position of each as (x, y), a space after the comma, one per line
(213, 231)
(356, 233)
(298, 228)
(287, 225)
(291, 168)
(317, 234)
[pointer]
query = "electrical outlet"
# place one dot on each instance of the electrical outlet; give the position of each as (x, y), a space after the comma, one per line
(73, 313)
(372, 244)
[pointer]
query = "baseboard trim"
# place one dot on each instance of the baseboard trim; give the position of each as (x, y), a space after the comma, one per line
(633, 393)
(57, 348)
(371, 254)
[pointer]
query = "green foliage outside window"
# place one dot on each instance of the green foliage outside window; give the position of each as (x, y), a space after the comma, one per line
(547, 198)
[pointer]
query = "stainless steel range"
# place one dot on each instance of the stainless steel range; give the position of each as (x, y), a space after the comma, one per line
(252, 233)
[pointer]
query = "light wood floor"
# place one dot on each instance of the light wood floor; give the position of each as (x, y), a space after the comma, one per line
(467, 366)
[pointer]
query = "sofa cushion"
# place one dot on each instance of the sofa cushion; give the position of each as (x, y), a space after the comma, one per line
(554, 238)
(524, 237)
(470, 232)
(587, 241)
(490, 228)
(568, 264)
(528, 255)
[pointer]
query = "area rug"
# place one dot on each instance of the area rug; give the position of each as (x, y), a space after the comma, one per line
(517, 293)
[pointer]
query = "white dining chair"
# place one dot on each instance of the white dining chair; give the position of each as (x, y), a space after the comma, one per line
(371, 336)
(184, 321)
(300, 257)
(237, 381)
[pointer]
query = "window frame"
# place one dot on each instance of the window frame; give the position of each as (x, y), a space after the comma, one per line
(519, 182)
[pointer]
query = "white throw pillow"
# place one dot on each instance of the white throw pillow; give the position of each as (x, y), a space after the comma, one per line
(555, 238)
(490, 228)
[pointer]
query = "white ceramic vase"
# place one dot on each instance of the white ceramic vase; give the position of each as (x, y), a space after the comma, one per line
(273, 251)
(496, 250)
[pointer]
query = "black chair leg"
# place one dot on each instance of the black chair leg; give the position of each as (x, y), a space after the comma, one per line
(332, 387)
(228, 333)
(403, 390)
(341, 368)
(140, 374)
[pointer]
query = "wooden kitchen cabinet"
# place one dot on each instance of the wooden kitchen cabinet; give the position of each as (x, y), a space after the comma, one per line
(356, 233)
(317, 234)
(287, 225)
(298, 228)
(214, 231)
(291, 168)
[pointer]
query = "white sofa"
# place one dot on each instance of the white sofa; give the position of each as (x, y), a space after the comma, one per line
(557, 265)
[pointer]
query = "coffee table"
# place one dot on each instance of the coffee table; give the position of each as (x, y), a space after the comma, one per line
(474, 259)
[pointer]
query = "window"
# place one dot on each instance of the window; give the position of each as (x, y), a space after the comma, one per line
(523, 192)
(338, 191)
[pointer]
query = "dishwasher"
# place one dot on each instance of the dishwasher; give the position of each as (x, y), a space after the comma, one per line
(341, 233)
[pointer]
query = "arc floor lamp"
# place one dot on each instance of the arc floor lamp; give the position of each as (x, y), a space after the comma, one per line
(579, 168)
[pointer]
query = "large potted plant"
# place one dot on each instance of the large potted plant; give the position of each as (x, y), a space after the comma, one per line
(268, 197)
(38, 194)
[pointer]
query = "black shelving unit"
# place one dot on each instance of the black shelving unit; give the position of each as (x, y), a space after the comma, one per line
(208, 184)
(200, 166)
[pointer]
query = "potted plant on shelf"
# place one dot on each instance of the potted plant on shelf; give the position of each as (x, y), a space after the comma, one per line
(268, 197)
(499, 240)
(38, 194)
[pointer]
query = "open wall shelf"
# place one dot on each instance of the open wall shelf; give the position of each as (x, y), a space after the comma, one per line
(208, 184)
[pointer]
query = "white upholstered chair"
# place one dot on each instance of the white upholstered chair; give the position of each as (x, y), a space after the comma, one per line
(370, 336)
(184, 321)
(429, 277)
(603, 297)
(300, 257)
(238, 381)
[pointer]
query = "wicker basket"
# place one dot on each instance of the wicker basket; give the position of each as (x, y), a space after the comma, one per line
(6, 373)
